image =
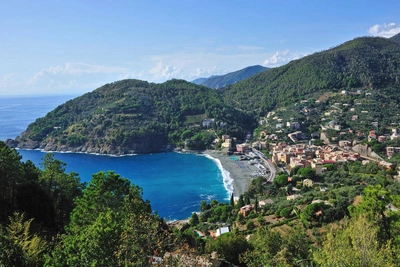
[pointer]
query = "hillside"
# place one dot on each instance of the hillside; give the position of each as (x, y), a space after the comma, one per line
(366, 62)
(219, 81)
(133, 116)
(396, 38)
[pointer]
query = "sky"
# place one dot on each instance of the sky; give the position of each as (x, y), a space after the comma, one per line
(73, 47)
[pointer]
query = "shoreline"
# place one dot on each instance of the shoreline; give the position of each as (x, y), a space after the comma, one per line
(236, 177)
(236, 174)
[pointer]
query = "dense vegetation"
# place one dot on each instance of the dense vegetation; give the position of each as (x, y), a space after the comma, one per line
(50, 219)
(349, 217)
(361, 63)
(221, 81)
(132, 116)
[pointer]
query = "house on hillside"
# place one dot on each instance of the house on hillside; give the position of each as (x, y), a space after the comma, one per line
(245, 210)
(222, 230)
(293, 197)
(242, 148)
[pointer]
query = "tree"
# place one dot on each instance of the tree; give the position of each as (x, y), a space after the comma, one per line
(247, 200)
(232, 201)
(266, 244)
(273, 249)
(228, 246)
(285, 212)
(194, 220)
(203, 206)
(240, 202)
(373, 206)
(111, 225)
(355, 243)
(33, 247)
(11, 254)
(281, 180)
(63, 188)
(306, 173)
(11, 175)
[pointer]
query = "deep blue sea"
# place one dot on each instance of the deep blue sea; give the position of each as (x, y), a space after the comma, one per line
(174, 183)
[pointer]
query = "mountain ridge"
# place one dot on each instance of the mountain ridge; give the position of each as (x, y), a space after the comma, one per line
(365, 62)
(219, 81)
(125, 116)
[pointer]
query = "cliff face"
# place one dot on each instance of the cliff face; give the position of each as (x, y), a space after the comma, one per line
(143, 145)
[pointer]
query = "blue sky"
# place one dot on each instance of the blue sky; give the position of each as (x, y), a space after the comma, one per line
(73, 47)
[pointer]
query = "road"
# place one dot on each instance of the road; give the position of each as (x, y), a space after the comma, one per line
(268, 164)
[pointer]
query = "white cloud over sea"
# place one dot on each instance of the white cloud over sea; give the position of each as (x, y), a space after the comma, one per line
(384, 30)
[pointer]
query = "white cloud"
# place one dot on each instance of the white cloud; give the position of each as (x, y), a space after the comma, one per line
(8, 80)
(282, 57)
(165, 71)
(384, 30)
(73, 68)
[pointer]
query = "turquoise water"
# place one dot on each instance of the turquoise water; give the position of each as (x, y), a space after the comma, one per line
(174, 183)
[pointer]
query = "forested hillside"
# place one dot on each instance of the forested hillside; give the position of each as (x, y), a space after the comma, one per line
(133, 116)
(365, 62)
(219, 81)
(396, 37)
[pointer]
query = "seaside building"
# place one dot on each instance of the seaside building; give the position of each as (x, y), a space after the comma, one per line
(242, 148)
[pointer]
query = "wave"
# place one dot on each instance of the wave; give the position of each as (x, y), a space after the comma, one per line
(228, 181)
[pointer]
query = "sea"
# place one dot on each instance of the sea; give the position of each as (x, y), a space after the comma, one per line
(174, 183)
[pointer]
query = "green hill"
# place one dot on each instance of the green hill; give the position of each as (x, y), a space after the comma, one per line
(219, 81)
(361, 63)
(132, 116)
(396, 38)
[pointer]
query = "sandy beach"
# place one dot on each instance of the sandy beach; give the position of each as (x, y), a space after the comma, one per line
(237, 174)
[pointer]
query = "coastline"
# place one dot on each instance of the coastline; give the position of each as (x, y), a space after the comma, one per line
(237, 175)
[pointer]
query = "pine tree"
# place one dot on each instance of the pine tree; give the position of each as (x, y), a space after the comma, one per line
(240, 202)
(247, 200)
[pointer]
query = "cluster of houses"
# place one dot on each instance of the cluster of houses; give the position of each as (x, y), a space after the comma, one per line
(303, 155)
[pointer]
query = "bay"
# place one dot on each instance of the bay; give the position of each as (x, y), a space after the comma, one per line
(174, 183)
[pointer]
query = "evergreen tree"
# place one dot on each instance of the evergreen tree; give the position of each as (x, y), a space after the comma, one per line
(110, 226)
(247, 200)
(194, 220)
(240, 202)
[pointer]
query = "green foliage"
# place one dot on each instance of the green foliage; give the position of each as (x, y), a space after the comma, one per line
(11, 175)
(33, 247)
(220, 81)
(270, 248)
(11, 254)
(285, 212)
(63, 188)
(132, 115)
(228, 246)
(281, 180)
(362, 62)
(240, 202)
(307, 173)
(111, 225)
(355, 243)
(194, 220)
